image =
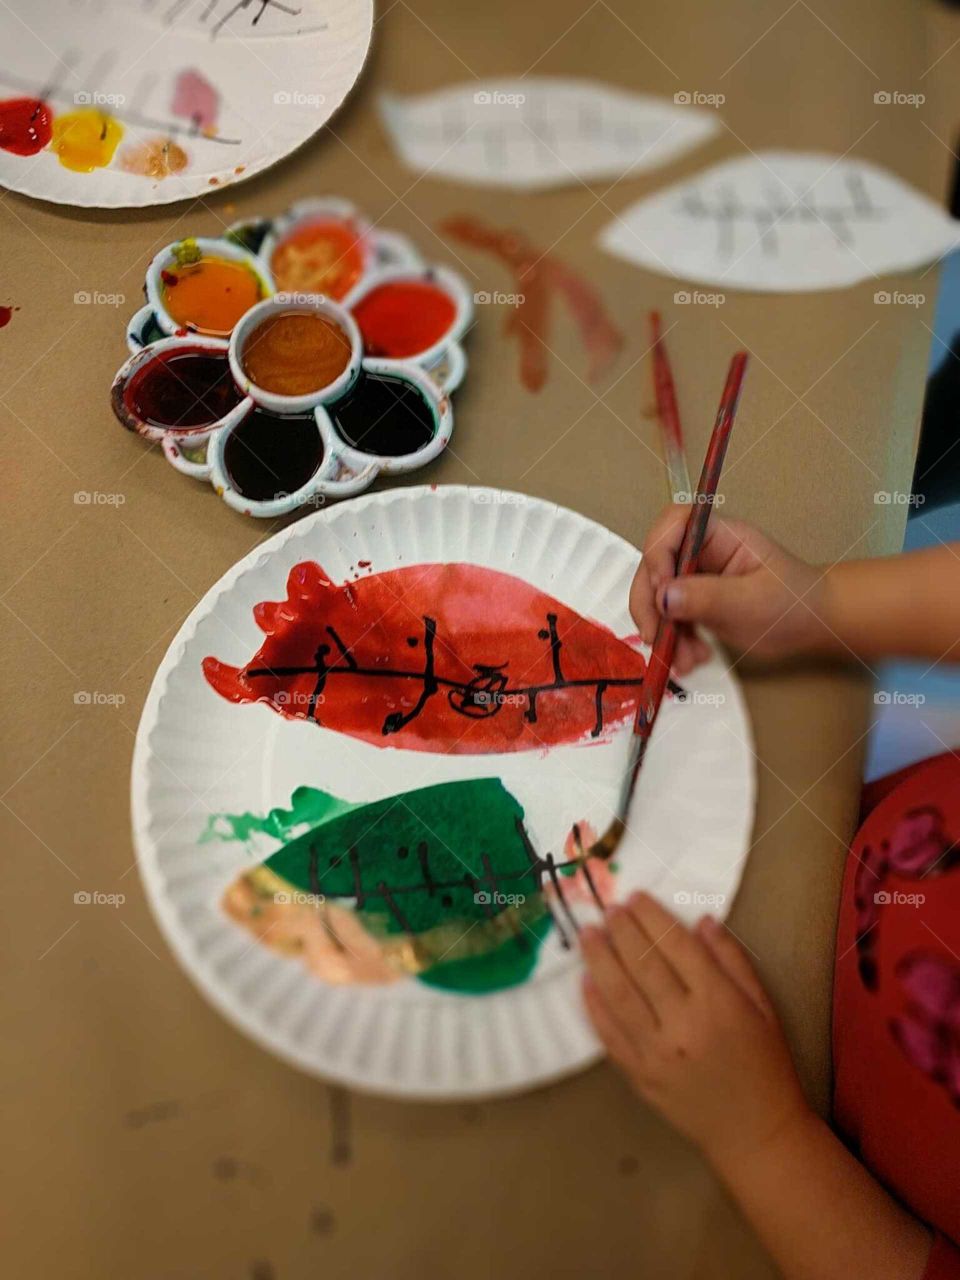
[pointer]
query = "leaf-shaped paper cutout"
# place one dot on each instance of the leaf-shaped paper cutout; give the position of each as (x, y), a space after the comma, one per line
(783, 221)
(540, 131)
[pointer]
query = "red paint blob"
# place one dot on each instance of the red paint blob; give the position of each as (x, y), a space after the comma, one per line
(403, 318)
(6, 315)
(26, 125)
(450, 658)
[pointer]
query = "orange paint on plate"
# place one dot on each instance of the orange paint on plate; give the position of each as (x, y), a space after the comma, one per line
(157, 158)
(293, 354)
(85, 140)
(322, 257)
(210, 295)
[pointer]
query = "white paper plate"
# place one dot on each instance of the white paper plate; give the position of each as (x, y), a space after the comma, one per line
(260, 79)
(198, 754)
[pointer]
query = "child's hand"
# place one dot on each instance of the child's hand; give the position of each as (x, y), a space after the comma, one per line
(683, 1014)
(750, 592)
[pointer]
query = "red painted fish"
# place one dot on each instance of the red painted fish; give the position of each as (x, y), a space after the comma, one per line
(449, 658)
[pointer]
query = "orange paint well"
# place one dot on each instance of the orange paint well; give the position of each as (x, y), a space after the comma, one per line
(322, 257)
(293, 354)
(210, 295)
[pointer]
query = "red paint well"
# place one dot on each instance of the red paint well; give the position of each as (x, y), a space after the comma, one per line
(497, 643)
(403, 318)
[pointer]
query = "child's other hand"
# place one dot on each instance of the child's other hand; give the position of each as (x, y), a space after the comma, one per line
(684, 1016)
(753, 595)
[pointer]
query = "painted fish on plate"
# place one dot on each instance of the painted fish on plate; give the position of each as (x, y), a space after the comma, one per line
(442, 883)
(448, 658)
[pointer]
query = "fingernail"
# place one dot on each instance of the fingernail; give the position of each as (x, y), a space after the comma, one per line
(709, 924)
(670, 597)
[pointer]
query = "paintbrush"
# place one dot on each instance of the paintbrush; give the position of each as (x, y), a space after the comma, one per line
(661, 656)
(668, 415)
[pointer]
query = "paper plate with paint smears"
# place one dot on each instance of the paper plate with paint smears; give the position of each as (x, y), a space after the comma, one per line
(110, 104)
(369, 764)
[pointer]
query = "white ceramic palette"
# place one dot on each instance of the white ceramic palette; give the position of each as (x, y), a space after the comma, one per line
(374, 275)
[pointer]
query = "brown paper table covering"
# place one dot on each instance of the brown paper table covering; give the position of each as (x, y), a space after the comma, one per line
(151, 1139)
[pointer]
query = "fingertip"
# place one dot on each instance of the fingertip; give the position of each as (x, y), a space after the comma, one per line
(683, 662)
(701, 650)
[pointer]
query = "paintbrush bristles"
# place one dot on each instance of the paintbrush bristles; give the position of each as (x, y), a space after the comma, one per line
(668, 415)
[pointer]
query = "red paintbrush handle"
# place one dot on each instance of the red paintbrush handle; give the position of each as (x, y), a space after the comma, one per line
(665, 642)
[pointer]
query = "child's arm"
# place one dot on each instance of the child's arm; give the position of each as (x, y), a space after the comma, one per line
(683, 1014)
(762, 601)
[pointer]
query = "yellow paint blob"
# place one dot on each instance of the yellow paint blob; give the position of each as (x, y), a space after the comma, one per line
(85, 140)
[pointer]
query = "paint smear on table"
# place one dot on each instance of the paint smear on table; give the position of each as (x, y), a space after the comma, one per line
(85, 140)
(6, 315)
(195, 99)
(25, 125)
(538, 277)
(450, 658)
(441, 882)
(156, 158)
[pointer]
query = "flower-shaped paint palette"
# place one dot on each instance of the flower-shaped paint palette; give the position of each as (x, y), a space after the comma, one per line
(292, 361)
